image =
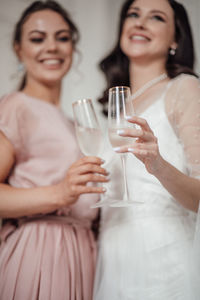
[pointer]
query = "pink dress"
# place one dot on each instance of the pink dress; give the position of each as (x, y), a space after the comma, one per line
(44, 257)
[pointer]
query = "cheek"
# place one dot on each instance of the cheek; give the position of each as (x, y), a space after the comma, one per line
(166, 33)
(68, 59)
(167, 38)
(126, 29)
(68, 51)
(29, 52)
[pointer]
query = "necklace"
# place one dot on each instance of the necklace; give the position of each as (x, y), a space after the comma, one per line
(149, 84)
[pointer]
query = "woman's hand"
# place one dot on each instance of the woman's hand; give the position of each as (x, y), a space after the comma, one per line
(183, 188)
(144, 146)
(87, 169)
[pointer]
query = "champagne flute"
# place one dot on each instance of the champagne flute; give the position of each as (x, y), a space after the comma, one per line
(120, 107)
(89, 133)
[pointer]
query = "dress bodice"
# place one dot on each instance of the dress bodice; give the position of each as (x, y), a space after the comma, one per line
(45, 145)
(142, 185)
(145, 186)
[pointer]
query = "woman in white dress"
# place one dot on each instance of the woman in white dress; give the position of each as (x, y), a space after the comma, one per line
(145, 251)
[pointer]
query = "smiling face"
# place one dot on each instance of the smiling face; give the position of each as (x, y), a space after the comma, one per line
(46, 47)
(148, 30)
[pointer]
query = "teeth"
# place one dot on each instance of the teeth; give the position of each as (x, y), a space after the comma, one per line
(138, 38)
(51, 61)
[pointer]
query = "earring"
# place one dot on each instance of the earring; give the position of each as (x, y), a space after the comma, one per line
(172, 51)
(20, 67)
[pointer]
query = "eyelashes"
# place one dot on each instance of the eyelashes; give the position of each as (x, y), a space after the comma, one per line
(136, 15)
(159, 18)
(36, 40)
(40, 40)
(65, 38)
(132, 14)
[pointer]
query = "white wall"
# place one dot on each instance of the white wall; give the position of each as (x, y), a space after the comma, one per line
(97, 21)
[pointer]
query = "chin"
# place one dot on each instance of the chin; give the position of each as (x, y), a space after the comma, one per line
(53, 78)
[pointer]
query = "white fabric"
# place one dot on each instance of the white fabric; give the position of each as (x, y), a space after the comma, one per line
(145, 251)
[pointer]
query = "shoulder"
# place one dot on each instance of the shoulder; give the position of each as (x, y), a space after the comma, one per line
(185, 81)
(12, 101)
(15, 96)
(10, 116)
(184, 86)
(15, 109)
(185, 94)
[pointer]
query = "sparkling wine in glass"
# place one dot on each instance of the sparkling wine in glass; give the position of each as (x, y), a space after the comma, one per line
(89, 133)
(120, 107)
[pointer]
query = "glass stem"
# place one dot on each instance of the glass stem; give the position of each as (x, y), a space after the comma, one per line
(126, 193)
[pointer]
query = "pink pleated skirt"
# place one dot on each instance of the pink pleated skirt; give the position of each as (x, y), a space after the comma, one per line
(47, 259)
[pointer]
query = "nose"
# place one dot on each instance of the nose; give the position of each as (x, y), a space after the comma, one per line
(141, 22)
(51, 44)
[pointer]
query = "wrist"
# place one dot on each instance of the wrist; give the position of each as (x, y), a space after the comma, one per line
(57, 196)
(159, 169)
(62, 195)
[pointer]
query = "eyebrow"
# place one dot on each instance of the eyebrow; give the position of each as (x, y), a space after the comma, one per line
(57, 32)
(152, 11)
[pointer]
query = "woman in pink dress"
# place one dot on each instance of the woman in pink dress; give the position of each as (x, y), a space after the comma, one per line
(47, 248)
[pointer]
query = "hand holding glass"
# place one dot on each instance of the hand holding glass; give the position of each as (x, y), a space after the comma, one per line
(88, 132)
(120, 107)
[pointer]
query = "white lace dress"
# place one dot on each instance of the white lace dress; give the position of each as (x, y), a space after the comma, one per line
(145, 251)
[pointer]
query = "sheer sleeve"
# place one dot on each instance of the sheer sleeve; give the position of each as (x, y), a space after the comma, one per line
(183, 109)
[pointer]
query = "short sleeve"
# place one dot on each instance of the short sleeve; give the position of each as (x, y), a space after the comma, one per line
(185, 116)
(9, 118)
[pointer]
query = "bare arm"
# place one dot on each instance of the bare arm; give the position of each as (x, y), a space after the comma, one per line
(16, 202)
(183, 188)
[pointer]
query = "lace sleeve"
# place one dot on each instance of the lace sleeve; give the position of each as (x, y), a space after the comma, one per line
(183, 106)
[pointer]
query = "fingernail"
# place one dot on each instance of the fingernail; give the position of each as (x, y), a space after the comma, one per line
(130, 149)
(103, 161)
(116, 149)
(128, 117)
(120, 131)
(104, 189)
(105, 177)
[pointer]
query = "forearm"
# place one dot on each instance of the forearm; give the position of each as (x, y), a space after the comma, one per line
(18, 202)
(184, 189)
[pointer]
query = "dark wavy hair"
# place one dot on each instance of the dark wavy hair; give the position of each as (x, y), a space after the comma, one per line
(39, 6)
(115, 65)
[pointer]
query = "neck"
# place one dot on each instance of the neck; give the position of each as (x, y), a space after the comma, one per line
(43, 92)
(140, 75)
